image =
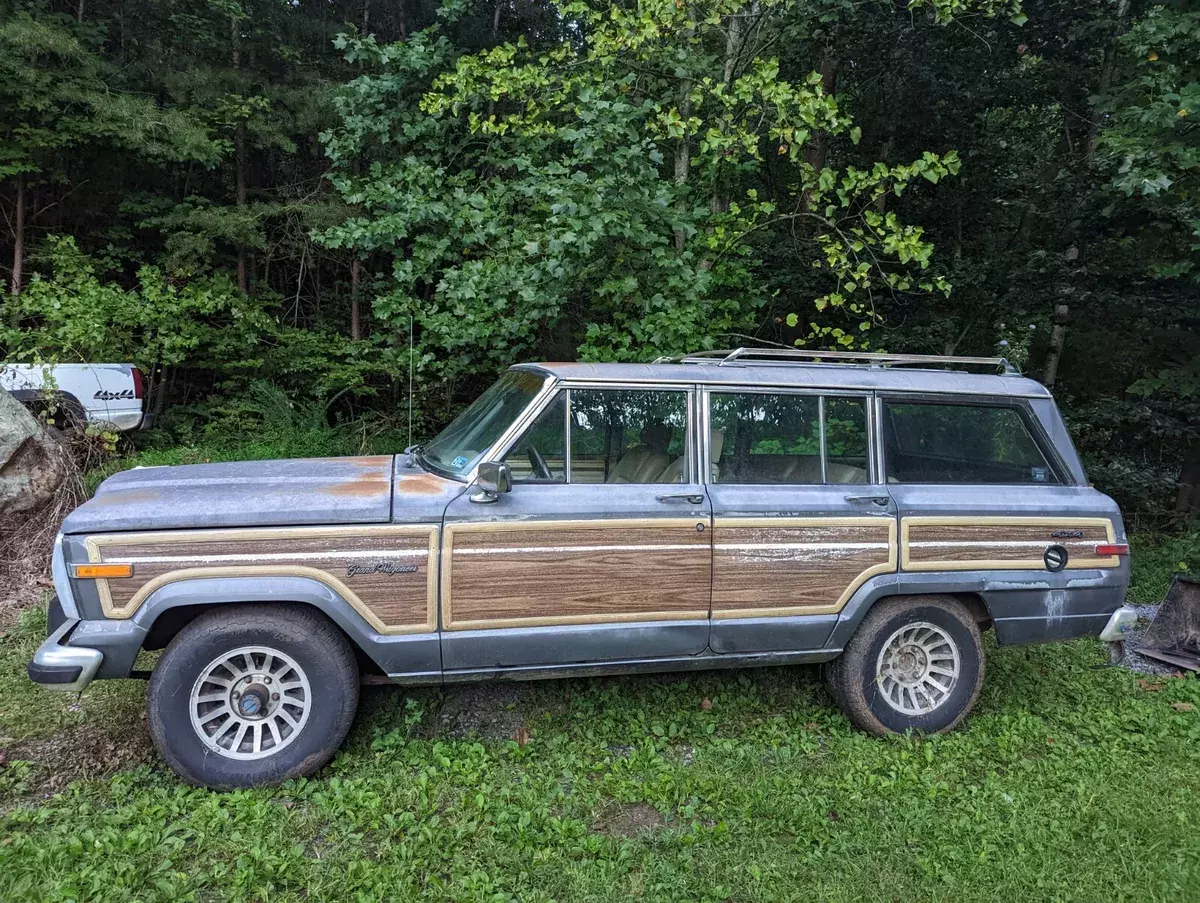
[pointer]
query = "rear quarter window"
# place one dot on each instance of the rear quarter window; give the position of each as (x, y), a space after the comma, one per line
(927, 442)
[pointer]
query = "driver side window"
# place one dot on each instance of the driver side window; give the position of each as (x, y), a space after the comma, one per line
(617, 436)
(539, 456)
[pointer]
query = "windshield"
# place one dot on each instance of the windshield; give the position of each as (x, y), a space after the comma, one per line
(458, 448)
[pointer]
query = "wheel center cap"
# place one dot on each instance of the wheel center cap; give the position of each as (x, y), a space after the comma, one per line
(909, 663)
(251, 697)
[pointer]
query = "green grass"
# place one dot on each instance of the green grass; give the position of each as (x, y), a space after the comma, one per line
(1156, 559)
(1069, 782)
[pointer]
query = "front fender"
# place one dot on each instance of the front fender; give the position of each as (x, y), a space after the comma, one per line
(416, 655)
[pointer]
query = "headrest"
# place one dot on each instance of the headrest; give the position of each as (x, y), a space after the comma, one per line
(657, 435)
(716, 445)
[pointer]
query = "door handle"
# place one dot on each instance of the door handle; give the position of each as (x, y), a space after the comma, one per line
(689, 497)
(881, 500)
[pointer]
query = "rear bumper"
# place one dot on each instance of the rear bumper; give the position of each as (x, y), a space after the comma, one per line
(57, 666)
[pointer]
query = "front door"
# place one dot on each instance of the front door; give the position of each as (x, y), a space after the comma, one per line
(601, 552)
(800, 517)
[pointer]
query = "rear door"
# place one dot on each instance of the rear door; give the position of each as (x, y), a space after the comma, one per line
(601, 552)
(801, 517)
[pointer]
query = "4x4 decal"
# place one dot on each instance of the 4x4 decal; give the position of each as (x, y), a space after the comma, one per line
(106, 395)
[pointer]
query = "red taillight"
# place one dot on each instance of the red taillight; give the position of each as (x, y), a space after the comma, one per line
(137, 383)
(1112, 548)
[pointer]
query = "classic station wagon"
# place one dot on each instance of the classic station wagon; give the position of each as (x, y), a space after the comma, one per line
(872, 512)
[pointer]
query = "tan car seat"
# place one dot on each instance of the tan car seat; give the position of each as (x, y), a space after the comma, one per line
(643, 463)
(673, 472)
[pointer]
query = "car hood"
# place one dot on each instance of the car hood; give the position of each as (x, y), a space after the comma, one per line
(244, 494)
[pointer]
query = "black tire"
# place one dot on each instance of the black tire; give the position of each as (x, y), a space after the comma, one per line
(853, 676)
(325, 659)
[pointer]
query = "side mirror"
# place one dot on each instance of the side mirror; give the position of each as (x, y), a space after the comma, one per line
(493, 478)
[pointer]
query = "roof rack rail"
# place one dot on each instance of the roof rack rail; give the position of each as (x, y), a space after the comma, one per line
(727, 357)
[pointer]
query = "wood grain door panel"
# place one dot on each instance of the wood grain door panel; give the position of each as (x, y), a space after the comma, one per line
(539, 573)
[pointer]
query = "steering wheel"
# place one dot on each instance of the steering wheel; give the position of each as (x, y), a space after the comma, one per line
(540, 469)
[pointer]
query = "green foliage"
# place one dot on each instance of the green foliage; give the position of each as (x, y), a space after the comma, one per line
(601, 174)
(74, 315)
(1152, 143)
(1157, 559)
(53, 86)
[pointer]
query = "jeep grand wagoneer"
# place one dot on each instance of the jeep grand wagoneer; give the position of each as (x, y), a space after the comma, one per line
(724, 509)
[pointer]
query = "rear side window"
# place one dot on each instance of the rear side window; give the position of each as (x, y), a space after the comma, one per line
(777, 439)
(961, 443)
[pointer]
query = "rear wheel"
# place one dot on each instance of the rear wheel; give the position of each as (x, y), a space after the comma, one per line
(253, 695)
(915, 663)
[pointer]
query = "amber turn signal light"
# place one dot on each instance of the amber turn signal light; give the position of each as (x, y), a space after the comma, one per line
(1113, 548)
(99, 571)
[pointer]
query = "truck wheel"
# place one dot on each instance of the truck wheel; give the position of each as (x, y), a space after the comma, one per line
(915, 663)
(252, 695)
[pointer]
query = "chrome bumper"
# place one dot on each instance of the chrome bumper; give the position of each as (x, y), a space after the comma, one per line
(1119, 624)
(68, 669)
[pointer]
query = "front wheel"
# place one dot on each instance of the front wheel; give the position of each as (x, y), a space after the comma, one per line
(915, 663)
(253, 695)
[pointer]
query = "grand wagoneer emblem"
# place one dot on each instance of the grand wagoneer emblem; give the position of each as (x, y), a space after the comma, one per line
(1067, 534)
(379, 567)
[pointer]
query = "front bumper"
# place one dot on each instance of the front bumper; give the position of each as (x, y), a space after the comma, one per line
(1120, 623)
(57, 666)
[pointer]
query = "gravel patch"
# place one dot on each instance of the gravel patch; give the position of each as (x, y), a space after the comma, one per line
(1140, 663)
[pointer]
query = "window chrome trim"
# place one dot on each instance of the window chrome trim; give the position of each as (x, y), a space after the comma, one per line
(879, 473)
(821, 441)
(567, 437)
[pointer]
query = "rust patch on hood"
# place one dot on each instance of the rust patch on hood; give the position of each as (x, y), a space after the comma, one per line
(367, 460)
(366, 485)
(421, 484)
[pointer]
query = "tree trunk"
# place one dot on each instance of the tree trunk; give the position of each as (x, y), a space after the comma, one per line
(818, 145)
(1187, 499)
(1106, 76)
(683, 161)
(355, 331)
(1058, 336)
(239, 149)
(733, 49)
(18, 265)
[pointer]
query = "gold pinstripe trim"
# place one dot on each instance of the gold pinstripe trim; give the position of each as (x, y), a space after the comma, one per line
(448, 622)
(95, 545)
(767, 522)
(1012, 564)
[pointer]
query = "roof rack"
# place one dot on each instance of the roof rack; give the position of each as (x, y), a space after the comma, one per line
(728, 357)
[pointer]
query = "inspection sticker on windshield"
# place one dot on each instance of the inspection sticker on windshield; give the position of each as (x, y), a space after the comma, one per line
(460, 461)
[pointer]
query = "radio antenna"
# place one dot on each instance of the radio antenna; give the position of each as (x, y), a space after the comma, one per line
(410, 377)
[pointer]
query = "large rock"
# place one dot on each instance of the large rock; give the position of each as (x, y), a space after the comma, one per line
(32, 464)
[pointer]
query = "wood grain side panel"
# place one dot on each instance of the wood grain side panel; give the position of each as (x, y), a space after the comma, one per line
(963, 543)
(796, 567)
(539, 574)
(370, 570)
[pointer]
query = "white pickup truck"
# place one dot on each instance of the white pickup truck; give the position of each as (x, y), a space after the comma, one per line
(106, 394)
